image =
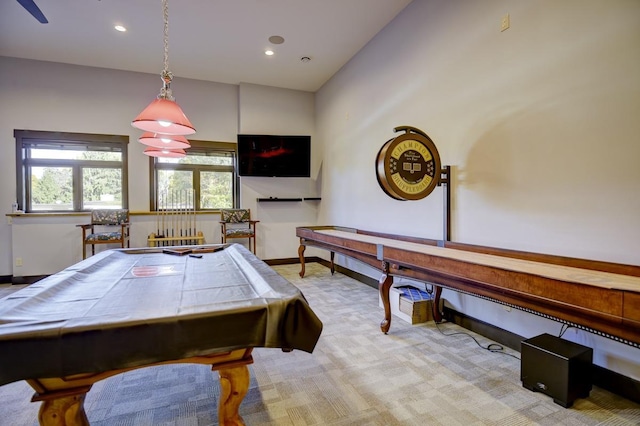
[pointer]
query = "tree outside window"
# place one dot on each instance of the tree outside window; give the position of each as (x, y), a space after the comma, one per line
(70, 171)
(209, 169)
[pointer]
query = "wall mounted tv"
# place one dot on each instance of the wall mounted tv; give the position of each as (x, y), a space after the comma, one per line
(274, 156)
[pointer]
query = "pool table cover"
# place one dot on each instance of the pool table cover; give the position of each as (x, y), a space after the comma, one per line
(130, 307)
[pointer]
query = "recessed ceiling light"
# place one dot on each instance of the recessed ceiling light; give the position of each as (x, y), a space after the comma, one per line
(120, 28)
(269, 52)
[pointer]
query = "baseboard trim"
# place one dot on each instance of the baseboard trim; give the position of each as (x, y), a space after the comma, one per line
(616, 383)
(5, 278)
(504, 337)
(315, 259)
(28, 279)
(293, 261)
(357, 276)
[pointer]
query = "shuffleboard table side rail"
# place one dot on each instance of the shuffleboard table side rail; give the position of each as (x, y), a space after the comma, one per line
(594, 265)
(364, 252)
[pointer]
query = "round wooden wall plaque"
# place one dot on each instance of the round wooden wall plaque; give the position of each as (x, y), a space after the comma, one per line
(408, 166)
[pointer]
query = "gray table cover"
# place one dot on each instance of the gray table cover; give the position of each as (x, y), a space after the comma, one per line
(126, 308)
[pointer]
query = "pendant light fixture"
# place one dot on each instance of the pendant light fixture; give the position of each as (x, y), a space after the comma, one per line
(167, 153)
(159, 140)
(163, 119)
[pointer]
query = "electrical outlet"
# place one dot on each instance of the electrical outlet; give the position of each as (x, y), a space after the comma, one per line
(18, 261)
(505, 23)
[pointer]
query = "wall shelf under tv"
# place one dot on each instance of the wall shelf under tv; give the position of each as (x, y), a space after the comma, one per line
(280, 200)
(277, 200)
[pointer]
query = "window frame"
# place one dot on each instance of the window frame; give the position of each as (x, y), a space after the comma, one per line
(29, 139)
(201, 147)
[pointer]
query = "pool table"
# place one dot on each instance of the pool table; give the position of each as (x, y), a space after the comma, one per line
(131, 308)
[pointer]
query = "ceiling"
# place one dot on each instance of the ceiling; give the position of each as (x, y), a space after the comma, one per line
(213, 40)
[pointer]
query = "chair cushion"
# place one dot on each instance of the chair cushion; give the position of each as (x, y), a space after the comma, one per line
(236, 232)
(235, 216)
(109, 217)
(104, 236)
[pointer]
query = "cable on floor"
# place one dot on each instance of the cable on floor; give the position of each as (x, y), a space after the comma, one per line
(492, 347)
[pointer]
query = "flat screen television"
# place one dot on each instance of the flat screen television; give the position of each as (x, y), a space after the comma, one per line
(274, 156)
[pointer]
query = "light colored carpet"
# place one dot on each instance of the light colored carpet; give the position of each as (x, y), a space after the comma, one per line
(415, 375)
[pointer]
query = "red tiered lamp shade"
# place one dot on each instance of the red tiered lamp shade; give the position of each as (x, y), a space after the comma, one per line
(164, 116)
(162, 141)
(166, 153)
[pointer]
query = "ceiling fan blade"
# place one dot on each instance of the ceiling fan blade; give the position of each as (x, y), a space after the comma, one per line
(31, 7)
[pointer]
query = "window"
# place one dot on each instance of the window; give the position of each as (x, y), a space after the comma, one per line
(208, 170)
(66, 172)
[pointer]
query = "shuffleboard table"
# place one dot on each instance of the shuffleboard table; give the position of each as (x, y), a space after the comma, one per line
(601, 297)
(131, 308)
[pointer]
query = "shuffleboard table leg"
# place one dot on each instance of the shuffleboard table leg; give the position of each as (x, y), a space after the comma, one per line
(301, 256)
(437, 315)
(384, 285)
(234, 384)
(333, 265)
(65, 410)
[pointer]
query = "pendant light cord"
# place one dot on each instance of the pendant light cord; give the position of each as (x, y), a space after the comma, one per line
(166, 75)
(163, 116)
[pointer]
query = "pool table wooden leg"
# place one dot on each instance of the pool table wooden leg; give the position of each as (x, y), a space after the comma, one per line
(64, 409)
(234, 384)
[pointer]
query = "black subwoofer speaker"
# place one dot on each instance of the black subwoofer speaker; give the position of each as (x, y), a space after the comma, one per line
(556, 367)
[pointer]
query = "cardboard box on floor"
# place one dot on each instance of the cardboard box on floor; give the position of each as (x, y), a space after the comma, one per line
(414, 311)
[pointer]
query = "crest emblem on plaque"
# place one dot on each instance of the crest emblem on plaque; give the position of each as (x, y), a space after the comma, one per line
(408, 166)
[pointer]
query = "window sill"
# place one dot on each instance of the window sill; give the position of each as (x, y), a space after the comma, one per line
(71, 214)
(47, 214)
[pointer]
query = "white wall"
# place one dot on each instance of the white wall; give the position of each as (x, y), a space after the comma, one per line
(49, 244)
(273, 111)
(539, 123)
(57, 97)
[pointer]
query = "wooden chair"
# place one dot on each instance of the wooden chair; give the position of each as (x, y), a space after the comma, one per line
(237, 223)
(98, 232)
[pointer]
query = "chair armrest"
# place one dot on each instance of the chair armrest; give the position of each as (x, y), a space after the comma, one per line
(85, 226)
